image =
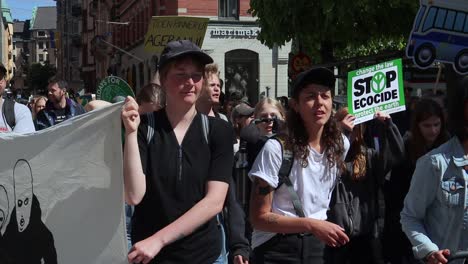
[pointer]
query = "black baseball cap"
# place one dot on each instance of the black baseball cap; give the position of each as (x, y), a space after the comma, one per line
(321, 76)
(177, 48)
(242, 109)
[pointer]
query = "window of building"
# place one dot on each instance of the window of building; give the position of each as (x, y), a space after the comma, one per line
(41, 57)
(41, 33)
(40, 45)
(228, 9)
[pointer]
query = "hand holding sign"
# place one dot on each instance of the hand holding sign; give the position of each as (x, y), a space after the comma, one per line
(381, 116)
(348, 122)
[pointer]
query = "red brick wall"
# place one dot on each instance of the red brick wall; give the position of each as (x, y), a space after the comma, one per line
(244, 7)
(199, 7)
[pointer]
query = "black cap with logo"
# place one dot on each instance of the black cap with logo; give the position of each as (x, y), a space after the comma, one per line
(321, 76)
(178, 48)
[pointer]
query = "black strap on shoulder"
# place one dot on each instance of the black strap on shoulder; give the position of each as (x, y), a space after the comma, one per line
(8, 110)
(283, 174)
(205, 127)
(151, 127)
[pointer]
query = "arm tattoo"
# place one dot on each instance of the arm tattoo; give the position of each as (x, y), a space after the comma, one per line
(273, 218)
(263, 189)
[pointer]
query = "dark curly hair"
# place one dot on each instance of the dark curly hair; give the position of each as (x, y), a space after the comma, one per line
(298, 140)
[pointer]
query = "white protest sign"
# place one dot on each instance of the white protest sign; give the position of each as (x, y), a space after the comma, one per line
(61, 192)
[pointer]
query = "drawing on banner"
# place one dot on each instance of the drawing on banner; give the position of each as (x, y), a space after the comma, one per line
(440, 33)
(4, 208)
(376, 88)
(26, 238)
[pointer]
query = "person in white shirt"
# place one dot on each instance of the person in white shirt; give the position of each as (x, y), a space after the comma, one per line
(319, 148)
(23, 122)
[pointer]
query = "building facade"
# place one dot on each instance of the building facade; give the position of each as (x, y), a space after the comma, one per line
(43, 28)
(7, 40)
(21, 54)
(69, 42)
(246, 65)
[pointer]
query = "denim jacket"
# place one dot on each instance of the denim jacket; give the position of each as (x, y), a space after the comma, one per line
(432, 216)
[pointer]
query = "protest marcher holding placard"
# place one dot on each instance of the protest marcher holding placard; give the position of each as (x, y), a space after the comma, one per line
(177, 180)
(434, 216)
(360, 183)
(284, 233)
(428, 131)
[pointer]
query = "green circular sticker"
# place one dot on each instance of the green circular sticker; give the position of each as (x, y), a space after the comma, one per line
(111, 87)
(378, 82)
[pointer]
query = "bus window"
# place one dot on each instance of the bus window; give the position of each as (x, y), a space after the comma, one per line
(429, 21)
(439, 23)
(449, 20)
(459, 21)
(418, 20)
(466, 26)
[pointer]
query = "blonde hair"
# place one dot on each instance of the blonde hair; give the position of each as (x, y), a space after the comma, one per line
(270, 101)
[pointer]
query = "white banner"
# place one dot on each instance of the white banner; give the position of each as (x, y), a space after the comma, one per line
(61, 193)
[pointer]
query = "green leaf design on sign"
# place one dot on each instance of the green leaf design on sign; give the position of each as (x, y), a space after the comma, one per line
(378, 82)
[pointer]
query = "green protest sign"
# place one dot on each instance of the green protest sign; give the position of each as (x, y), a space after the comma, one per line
(376, 88)
(111, 87)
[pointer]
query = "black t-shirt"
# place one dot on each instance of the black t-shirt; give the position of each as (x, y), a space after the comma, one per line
(176, 178)
(61, 115)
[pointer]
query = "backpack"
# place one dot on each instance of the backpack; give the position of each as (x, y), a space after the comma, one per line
(344, 210)
(8, 112)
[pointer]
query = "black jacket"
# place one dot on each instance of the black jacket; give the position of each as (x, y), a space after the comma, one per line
(47, 117)
(378, 164)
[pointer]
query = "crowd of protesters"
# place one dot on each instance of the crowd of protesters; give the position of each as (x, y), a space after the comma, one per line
(282, 181)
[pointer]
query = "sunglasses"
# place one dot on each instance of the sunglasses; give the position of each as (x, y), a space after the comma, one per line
(182, 76)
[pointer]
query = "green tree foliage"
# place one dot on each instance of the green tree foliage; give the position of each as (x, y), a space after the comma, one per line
(336, 28)
(38, 76)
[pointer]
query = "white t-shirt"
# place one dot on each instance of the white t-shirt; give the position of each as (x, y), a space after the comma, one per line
(313, 184)
(23, 118)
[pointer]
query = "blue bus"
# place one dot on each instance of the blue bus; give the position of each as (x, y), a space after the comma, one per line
(440, 32)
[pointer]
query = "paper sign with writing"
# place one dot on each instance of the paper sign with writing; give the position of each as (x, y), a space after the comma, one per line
(376, 88)
(164, 29)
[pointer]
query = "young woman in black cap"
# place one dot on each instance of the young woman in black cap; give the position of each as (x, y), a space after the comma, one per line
(176, 168)
(280, 234)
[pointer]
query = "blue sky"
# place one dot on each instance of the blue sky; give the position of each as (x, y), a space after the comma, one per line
(22, 9)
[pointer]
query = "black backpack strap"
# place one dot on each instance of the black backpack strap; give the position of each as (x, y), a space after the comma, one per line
(8, 110)
(150, 131)
(283, 174)
(205, 127)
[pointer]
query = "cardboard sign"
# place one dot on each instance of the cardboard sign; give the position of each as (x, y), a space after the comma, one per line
(111, 87)
(168, 28)
(376, 88)
(440, 33)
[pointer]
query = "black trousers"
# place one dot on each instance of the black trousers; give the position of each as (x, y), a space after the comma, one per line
(291, 249)
(359, 250)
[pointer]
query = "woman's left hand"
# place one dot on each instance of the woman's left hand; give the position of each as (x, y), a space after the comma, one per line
(145, 250)
(240, 260)
(348, 122)
(381, 116)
